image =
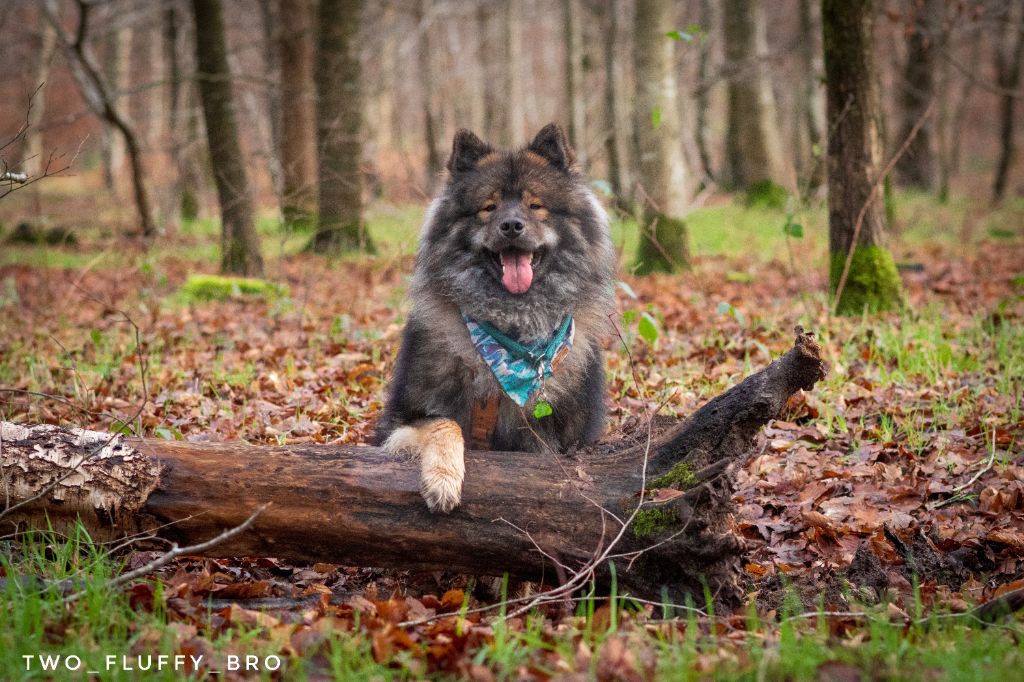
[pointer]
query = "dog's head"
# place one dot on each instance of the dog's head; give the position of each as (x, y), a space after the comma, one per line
(516, 237)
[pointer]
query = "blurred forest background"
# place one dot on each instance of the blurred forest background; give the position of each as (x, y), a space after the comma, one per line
(109, 95)
(789, 160)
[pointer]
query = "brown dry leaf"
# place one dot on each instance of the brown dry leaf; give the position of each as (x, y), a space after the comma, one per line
(244, 590)
(452, 601)
(388, 640)
(250, 618)
(1011, 538)
(616, 662)
(816, 519)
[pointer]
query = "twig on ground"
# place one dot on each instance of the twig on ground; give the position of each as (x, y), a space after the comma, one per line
(958, 496)
(175, 552)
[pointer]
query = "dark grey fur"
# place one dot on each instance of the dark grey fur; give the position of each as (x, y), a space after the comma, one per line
(438, 372)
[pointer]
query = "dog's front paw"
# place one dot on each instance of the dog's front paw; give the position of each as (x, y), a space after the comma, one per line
(438, 444)
(443, 466)
(441, 487)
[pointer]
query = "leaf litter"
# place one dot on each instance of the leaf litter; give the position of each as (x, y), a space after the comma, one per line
(893, 481)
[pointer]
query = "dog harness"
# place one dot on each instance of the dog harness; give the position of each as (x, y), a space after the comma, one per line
(520, 368)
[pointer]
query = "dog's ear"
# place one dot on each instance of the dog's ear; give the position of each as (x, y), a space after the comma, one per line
(552, 145)
(467, 150)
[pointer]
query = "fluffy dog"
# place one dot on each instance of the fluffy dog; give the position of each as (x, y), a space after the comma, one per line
(511, 294)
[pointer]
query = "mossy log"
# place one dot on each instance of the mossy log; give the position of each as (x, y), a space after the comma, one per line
(355, 505)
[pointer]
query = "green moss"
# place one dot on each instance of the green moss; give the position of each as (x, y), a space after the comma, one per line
(219, 288)
(872, 285)
(679, 477)
(189, 205)
(767, 194)
(297, 219)
(668, 251)
(648, 522)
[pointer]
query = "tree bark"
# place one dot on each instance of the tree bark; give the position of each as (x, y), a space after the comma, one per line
(358, 506)
(428, 87)
(298, 125)
(514, 96)
(240, 244)
(489, 86)
(856, 217)
(617, 124)
(753, 150)
(575, 94)
(339, 120)
(116, 49)
(810, 118)
(916, 168)
(709, 14)
(33, 162)
(1009, 55)
(661, 172)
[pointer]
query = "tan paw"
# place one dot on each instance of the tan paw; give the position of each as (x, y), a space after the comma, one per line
(442, 464)
(439, 446)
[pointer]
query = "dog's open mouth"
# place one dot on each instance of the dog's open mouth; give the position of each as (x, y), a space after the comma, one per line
(517, 269)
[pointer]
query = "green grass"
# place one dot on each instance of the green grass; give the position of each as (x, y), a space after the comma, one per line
(35, 621)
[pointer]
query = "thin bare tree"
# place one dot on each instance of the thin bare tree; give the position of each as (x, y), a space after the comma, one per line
(297, 126)
(240, 245)
(101, 99)
(917, 167)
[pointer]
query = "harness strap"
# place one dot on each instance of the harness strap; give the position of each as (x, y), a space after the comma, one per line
(483, 419)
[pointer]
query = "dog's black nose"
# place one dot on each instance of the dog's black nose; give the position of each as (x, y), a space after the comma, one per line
(511, 228)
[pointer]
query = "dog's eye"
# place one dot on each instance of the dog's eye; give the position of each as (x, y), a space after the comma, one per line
(489, 206)
(535, 206)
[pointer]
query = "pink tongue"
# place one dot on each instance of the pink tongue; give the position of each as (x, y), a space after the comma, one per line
(516, 271)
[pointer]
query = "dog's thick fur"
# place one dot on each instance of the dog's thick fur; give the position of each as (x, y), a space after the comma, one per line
(439, 373)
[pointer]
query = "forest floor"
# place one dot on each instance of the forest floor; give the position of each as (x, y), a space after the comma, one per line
(878, 515)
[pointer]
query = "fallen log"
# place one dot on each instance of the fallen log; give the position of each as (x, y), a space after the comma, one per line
(356, 505)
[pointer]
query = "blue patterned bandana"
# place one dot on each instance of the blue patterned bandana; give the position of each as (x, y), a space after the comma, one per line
(520, 368)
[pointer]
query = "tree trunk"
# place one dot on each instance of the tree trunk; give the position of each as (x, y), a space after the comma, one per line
(513, 97)
(661, 174)
(702, 100)
(298, 118)
(359, 506)
(859, 262)
(171, 29)
(617, 124)
(100, 98)
(428, 86)
(33, 162)
(916, 167)
(953, 111)
(240, 244)
(753, 150)
(1009, 55)
(810, 118)
(115, 62)
(489, 86)
(339, 121)
(575, 93)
